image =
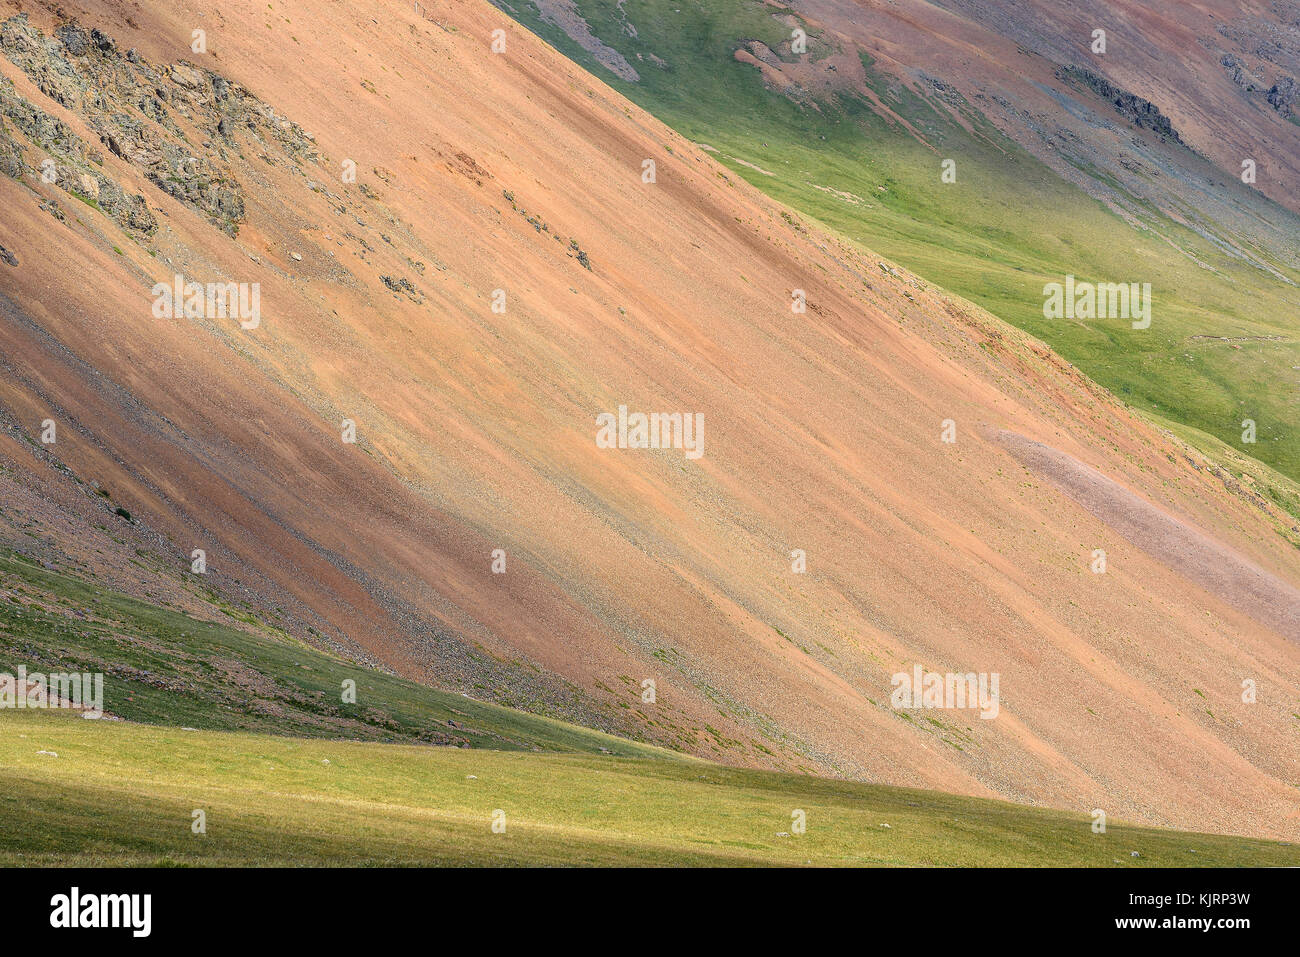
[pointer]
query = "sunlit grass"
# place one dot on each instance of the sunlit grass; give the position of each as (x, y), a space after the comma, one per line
(119, 793)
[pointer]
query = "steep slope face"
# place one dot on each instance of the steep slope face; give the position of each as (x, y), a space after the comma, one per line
(995, 148)
(514, 180)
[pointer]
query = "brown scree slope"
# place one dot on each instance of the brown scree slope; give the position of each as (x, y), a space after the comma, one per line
(479, 171)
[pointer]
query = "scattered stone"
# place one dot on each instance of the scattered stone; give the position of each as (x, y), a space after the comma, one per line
(8, 257)
(404, 286)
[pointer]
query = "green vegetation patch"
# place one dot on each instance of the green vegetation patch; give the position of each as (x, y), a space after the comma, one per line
(122, 794)
(164, 667)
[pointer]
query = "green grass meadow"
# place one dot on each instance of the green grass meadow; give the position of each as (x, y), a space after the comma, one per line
(124, 794)
(165, 667)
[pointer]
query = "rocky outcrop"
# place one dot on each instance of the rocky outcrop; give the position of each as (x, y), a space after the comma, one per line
(1283, 95)
(1142, 113)
(1238, 72)
(68, 162)
(151, 116)
(11, 154)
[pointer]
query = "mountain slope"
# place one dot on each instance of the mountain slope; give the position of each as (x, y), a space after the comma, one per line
(989, 149)
(476, 430)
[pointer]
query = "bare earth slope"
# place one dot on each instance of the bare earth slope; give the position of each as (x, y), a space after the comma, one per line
(479, 171)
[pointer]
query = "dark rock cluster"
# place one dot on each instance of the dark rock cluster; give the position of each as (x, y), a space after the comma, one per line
(1281, 96)
(1143, 113)
(403, 286)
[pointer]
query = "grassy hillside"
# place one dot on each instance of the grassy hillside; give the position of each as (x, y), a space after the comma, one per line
(164, 667)
(125, 794)
(1008, 224)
